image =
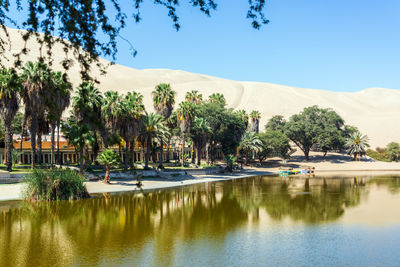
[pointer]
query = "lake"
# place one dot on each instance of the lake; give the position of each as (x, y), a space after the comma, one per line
(260, 221)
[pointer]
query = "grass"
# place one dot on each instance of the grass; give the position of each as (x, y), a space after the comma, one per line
(57, 184)
(383, 156)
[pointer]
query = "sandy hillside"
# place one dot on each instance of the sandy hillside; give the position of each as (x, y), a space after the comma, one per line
(375, 111)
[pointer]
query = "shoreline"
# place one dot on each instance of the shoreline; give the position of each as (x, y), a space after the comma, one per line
(10, 192)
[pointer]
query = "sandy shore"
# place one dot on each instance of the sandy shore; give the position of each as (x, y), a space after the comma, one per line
(333, 165)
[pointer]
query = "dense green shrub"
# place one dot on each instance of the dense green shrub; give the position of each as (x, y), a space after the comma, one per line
(393, 150)
(58, 184)
(379, 156)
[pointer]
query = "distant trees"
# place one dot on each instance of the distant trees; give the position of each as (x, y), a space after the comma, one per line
(315, 126)
(255, 117)
(274, 144)
(250, 143)
(393, 149)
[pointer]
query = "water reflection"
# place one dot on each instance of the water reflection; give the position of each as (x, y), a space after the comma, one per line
(119, 229)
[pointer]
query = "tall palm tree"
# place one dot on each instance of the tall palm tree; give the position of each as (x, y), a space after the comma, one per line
(163, 101)
(185, 116)
(87, 104)
(79, 135)
(58, 100)
(42, 129)
(10, 88)
(244, 116)
(250, 143)
(255, 117)
(357, 144)
(217, 98)
(35, 78)
(110, 110)
(200, 131)
(129, 123)
(152, 125)
(194, 97)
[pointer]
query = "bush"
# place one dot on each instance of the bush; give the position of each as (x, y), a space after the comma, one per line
(393, 150)
(379, 156)
(58, 184)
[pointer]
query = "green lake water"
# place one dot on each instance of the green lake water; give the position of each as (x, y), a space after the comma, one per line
(261, 221)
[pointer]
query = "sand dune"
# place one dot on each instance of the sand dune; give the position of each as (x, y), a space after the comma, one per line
(375, 111)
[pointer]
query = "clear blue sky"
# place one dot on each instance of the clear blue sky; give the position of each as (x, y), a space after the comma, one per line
(338, 45)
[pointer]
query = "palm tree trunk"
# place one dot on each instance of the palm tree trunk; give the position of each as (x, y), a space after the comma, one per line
(193, 154)
(168, 158)
(103, 134)
(148, 150)
(58, 143)
(8, 145)
(22, 138)
(207, 153)
(39, 142)
(95, 147)
(198, 156)
(127, 156)
(132, 154)
(183, 150)
(53, 133)
(81, 159)
(107, 177)
(161, 154)
(32, 129)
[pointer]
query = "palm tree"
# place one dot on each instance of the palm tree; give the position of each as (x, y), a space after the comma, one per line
(87, 105)
(194, 97)
(58, 100)
(153, 125)
(35, 78)
(79, 135)
(244, 116)
(217, 98)
(163, 101)
(110, 110)
(357, 144)
(129, 123)
(185, 116)
(42, 129)
(200, 131)
(250, 143)
(109, 159)
(10, 88)
(255, 117)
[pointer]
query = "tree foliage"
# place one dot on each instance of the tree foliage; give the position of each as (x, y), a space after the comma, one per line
(274, 143)
(79, 24)
(315, 126)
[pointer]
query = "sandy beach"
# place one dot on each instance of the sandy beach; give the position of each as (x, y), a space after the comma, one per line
(333, 165)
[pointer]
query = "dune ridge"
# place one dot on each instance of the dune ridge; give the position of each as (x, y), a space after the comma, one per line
(375, 111)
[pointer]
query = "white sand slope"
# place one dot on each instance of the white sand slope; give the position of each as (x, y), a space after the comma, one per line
(375, 111)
